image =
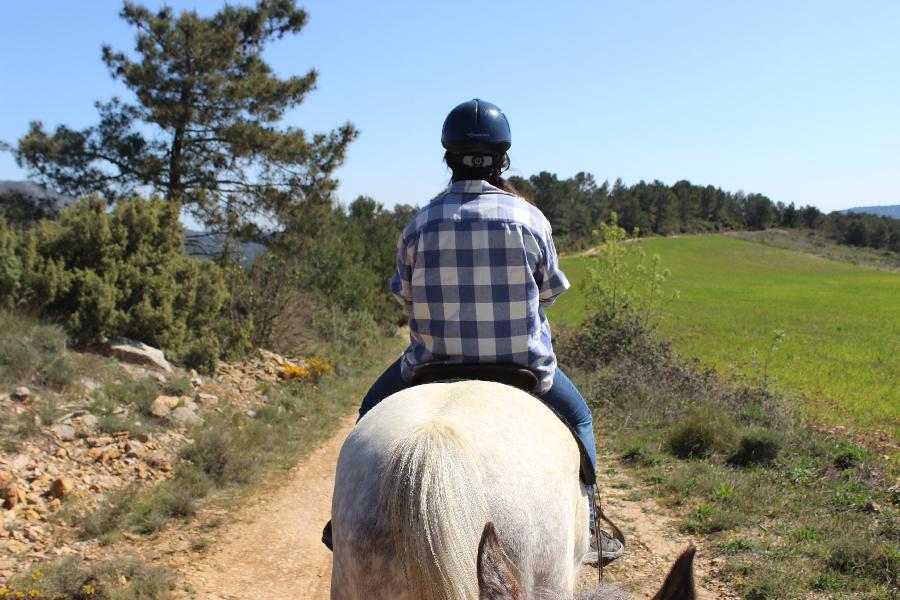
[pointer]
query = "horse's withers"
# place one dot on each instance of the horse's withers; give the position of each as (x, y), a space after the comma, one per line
(425, 469)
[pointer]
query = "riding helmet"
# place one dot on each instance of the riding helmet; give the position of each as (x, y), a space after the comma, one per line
(476, 127)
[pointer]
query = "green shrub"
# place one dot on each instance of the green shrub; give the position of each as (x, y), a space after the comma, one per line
(758, 447)
(705, 429)
(118, 273)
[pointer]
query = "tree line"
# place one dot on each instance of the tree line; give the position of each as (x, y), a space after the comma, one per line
(576, 205)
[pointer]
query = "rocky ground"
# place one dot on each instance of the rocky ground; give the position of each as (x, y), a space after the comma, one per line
(68, 466)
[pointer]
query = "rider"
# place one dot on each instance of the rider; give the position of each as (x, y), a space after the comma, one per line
(475, 270)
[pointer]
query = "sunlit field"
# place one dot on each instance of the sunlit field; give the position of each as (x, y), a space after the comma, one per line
(840, 353)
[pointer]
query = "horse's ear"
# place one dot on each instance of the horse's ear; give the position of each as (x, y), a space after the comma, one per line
(679, 583)
(496, 580)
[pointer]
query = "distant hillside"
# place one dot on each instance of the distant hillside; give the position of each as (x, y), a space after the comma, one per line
(207, 245)
(25, 201)
(32, 198)
(892, 211)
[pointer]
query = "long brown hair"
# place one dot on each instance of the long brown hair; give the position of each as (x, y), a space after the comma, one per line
(492, 174)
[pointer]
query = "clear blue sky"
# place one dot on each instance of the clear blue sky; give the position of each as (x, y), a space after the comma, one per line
(798, 100)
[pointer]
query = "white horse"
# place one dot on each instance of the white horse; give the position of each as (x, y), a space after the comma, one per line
(423, 471)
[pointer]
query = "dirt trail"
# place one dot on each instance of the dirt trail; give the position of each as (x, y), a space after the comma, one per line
(274, 552)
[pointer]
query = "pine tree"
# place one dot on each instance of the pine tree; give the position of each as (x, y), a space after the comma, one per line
(204, 130)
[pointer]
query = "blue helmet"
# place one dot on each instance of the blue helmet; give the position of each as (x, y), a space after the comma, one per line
(476, 127)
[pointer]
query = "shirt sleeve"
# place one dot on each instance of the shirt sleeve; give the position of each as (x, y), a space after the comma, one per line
(553, 281)
(401, 282)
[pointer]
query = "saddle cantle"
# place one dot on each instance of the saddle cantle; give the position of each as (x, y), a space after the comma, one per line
(509, 374)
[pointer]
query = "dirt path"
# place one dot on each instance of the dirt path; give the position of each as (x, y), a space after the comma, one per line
(274, 551)
(653, 541)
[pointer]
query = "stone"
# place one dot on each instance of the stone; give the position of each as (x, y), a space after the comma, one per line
(170, 401)
(206, 400)
(133, 448)
(33, 534)
(88, 422)
(196, 380)
(64, 432)
(9, 490)
(159, 408)
(159, 377)
(185, 417)
(20, 462)
(22, 393)
(61, 487)
(139, 353)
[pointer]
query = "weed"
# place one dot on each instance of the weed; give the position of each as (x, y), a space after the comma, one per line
(847, 456)
(116, 423)
(756, 447)
(178, 386)
(222, 454)
(708, 519)
(77, 579)
(722, 492)
(34, 354)
(153, 511)
(825, 582)
(738, 545)
(201, 544)
(139, 394)
(806, 534)
(706, 429)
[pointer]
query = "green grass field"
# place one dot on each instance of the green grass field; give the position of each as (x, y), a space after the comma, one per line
(841, 352)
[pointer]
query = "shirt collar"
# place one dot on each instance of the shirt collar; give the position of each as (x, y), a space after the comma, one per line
(473, 186)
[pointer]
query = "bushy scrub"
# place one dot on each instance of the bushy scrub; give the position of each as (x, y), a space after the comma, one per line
(703, 431)
(756, 447)
(34, 354)
(123, 272)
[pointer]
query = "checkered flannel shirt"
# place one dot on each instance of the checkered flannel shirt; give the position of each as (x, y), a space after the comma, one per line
(475, 269)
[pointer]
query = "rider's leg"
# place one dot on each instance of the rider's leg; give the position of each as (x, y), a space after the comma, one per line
(389, 383)
(564, 398)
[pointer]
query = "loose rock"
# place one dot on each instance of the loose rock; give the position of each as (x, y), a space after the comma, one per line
(61, 487)
(9, 491)
(88, 422)
(205, 399)
(138, 353)
(185, 417)
(22, 393)
(160, 408)
(64, 432)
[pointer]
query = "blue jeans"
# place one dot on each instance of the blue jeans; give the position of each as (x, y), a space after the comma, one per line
(563, 397)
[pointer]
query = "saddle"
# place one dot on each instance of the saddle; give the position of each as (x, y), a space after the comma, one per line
(515, 375)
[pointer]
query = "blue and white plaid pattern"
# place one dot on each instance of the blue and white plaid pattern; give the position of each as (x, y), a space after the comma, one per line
(475, 268)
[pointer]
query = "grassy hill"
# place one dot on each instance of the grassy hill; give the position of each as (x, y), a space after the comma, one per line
(840, 354)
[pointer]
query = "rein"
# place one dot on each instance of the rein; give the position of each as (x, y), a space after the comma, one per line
(598, 517)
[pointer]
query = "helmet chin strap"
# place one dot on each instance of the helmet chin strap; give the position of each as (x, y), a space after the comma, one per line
(477, 160)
